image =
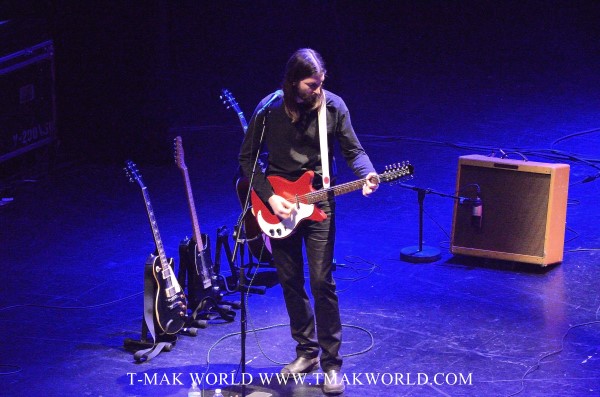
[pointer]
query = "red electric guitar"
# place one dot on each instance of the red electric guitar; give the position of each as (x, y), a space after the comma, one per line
(304, 197)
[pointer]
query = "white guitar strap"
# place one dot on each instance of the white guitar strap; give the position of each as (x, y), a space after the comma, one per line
(322, 122)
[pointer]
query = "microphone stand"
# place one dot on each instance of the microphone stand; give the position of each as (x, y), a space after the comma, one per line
(244, 290)
(423, 253)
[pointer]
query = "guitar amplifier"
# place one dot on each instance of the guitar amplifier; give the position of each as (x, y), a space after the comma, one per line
(27, 100)
(523, 210)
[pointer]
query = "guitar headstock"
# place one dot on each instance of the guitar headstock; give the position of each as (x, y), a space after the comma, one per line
(179, 156)
(394, 172)
(230, 103)
(133, 173)
(228, 100)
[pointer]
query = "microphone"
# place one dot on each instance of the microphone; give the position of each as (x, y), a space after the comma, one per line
(476, 212)
(273, 98)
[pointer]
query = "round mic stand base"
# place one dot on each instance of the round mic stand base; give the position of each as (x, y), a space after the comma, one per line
(416, 254)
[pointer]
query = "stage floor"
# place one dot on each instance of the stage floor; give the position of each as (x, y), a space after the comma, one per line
(75, 241)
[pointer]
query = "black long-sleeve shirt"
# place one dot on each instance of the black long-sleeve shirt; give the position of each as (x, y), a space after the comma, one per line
(294, 147)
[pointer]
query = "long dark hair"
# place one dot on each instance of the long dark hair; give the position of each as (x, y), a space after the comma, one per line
(303, 63)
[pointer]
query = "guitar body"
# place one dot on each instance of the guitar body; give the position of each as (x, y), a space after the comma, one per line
(199, 269)
(271, 224)
(170, 304)
(258, 243)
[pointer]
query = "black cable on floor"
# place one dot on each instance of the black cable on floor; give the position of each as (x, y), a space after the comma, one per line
(539, 361)
(71, 307)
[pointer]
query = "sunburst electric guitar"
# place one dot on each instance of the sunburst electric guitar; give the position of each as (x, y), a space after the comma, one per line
(170, 304)
(304, 197)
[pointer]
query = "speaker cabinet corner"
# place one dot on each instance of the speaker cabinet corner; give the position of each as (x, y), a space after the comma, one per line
(523, 212)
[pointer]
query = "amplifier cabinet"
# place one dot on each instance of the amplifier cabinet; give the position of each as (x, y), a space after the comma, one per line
(27, 100)
(523, 210)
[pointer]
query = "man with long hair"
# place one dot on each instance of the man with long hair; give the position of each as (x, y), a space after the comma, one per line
(285, 124)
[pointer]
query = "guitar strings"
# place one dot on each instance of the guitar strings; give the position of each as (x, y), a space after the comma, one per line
(322, 194)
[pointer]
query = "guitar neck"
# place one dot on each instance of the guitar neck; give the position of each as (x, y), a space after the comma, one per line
(157, 240)
(190, 197)
(243, 121)
(392, 173)
(324, 194)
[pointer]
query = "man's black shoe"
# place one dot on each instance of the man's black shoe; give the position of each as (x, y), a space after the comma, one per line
(332, 382)
(301, 365)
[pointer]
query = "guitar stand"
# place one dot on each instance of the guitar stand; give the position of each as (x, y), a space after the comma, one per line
(146, 347)
(229, 283)
(144, 342)
(234, 283)
(210, 309)
(205, 303)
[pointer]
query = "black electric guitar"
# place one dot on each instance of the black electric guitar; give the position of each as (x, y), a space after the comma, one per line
(202, 260)
(304, 196)
(258, 243)
(170, 305)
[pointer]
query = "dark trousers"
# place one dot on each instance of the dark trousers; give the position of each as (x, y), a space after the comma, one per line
(318, 239)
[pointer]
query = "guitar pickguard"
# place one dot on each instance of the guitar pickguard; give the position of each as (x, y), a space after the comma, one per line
(285, 227)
